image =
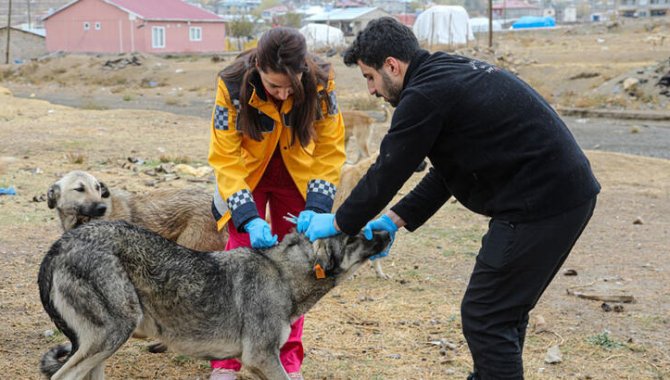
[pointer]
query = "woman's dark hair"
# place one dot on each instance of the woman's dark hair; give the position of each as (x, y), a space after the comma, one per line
(280, 50)
(382, 38)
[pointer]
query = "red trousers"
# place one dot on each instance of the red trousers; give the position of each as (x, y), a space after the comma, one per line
(277, 190)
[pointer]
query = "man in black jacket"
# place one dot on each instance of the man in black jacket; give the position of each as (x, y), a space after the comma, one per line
(500, 150)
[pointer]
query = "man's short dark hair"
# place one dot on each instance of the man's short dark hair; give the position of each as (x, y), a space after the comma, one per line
(382, 38)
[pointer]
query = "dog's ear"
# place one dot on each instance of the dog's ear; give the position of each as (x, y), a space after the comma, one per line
(52, 195)
(104, 190)
(292, 238)
(329, 253)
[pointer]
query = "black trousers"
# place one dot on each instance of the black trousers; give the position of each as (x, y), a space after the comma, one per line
(515, 264)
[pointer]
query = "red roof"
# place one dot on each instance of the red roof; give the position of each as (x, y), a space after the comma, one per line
(158, 10)
(406, 18)
(164, 9)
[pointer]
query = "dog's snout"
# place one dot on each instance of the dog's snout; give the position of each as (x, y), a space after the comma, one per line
(380, 240)
(93, 210)
(100, 209)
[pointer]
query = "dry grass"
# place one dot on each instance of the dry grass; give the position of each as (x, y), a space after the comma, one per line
(361, 102)
(75, 158)
(179, 159)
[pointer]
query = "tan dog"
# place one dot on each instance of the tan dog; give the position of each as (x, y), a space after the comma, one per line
(180, 215)
(359, 125)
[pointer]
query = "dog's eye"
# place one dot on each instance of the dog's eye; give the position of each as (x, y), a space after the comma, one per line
(80, 189)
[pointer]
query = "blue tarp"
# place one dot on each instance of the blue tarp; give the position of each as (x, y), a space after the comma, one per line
(534, 22)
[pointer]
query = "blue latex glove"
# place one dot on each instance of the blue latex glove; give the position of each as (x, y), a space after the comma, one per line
(260, 234)
(384, 223)
(321, 226)
(303, 220)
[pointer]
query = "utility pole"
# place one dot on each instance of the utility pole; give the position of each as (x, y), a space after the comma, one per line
(9, 26)
(30, 24)
(490, 24)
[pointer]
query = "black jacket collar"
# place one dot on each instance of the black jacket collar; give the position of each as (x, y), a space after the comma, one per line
(419, 58)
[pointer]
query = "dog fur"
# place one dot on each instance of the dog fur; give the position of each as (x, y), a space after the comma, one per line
(100, 281)
(359, 125)
(181, 215)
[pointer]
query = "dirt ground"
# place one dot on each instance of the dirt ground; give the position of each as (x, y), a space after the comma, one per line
(407, 327)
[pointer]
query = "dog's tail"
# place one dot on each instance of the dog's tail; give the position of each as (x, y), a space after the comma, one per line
(55, 358)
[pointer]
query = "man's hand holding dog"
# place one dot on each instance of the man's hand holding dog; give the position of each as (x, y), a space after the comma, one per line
(260, 234)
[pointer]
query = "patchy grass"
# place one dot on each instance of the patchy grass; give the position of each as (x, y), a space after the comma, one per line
(90, 104)
(605, 341)
(75, 158)
(6, 73)
(175, 101)
(180, 159)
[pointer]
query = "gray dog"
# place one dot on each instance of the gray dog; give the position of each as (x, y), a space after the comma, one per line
(102, 280)
(181, 215)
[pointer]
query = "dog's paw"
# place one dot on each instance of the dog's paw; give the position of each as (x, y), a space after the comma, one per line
(378, 269)
(157, 348)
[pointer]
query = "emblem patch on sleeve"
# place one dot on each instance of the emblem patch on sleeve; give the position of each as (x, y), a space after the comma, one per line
(221, 118)
(239, 198)
(322, 187)
(332, 103)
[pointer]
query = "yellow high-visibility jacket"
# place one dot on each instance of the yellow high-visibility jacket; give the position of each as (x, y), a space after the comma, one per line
(239, 161)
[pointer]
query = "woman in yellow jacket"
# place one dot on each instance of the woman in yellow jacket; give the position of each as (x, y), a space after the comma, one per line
(277, 140)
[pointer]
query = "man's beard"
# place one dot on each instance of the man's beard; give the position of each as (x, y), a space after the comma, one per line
(392, 90)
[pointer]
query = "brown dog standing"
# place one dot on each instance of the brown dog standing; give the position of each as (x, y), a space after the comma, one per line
(359, 125)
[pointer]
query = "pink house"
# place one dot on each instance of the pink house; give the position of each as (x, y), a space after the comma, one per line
(125, 26)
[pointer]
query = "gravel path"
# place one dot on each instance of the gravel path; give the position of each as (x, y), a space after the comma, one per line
(642, 138)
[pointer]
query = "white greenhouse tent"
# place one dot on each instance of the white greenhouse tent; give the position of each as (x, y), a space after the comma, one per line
(321, 36)
(481, 25)
(443, 25)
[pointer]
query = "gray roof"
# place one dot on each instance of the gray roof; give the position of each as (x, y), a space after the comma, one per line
(341, 14)
(34, 31)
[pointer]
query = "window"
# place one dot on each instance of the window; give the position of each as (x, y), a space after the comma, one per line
(87, 25)
(158, 37)
(195, 33)
(98, 26)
